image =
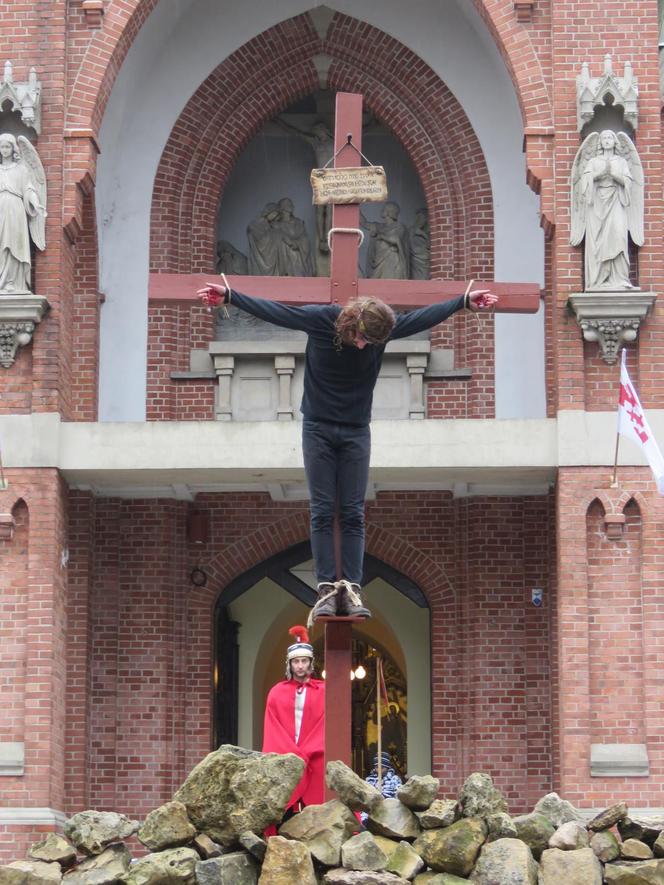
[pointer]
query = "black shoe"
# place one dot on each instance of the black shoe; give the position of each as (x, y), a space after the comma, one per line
(350, 602)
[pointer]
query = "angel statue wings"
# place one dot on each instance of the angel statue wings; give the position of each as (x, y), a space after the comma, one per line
(22, 212)
(607, 207)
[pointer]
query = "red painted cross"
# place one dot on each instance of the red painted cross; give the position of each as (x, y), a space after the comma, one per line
(342, 286)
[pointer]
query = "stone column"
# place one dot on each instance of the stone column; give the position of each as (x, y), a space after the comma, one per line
(285, 366)
(417, 364)
(224, 366)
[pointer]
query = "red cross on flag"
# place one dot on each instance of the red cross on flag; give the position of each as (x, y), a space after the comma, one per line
(633, 423)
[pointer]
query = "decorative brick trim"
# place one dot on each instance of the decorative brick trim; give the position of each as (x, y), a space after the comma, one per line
(94, 12)
(524, 10)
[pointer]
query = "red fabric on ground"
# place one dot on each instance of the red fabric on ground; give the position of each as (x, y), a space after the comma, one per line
(279, 734)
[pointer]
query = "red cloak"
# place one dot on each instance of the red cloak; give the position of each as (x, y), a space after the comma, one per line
(279, 734)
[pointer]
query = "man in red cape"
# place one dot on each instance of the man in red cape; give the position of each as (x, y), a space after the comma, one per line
(295, 719)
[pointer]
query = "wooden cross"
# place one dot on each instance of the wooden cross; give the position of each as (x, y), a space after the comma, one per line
(342, 286)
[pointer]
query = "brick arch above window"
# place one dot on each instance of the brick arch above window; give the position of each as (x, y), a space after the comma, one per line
(244, 92)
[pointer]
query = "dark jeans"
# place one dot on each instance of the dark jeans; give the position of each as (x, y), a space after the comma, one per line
(336, 462)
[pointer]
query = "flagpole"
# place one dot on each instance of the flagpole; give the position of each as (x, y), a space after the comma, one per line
(614, 480)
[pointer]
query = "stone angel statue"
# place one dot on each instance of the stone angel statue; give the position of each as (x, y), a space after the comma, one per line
(607, 207)
(22, 212)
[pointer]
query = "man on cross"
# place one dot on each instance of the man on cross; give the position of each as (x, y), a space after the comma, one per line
(344, 352)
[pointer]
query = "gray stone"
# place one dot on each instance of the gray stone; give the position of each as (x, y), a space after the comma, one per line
(658, 846)
(391, 818)
(418, 792)
(633, 849)
(237, 868)
(361, 877)
(175, 866)
(92, 831)
(558, 811)
(362, 852)
(647, 872)
(167, 827)
(206, 847)
(619, 760)
(570, 836)
(535, 830)
(579, 867)
(605, 845)
(387, 846)
(505, 861)
(254, 845)
(453, 849)
(354, 792)
(405, 862)
(608, 818)
(54, 848)
(323, 829)
(233, 790)
(479, 797)
(645, 829)
(441, 813)
(102, 869)
(432, 878)
(286, 863)
(500, 826)
(31, 872)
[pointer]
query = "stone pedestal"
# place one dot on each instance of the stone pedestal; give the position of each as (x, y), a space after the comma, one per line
(19, 314)
(611, 318)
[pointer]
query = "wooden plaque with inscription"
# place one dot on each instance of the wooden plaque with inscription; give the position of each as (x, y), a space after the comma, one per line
(361, 184)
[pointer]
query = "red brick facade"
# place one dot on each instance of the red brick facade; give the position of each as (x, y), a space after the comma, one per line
(106, 648)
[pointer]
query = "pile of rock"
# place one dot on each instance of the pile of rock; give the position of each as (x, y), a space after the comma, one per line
(211, 834)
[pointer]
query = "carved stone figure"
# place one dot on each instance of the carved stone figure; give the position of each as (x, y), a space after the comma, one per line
(322, 143)
(22, 212)
(264, 243)
(420, 246)
(294, 249)
(388, 255)
(607, 207)
(230, 260)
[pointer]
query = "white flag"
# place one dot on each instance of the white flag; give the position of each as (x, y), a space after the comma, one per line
(633, 423)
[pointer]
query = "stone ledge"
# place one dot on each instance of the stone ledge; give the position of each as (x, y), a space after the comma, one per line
(611, 319)
(30, 817)
(12, 758)
(619, 760)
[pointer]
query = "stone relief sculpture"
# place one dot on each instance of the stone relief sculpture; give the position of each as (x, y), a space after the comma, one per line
(388, 254)
(607, 207)
(264, 243)
(22, 212)
(420, 246)
(294, 250)
(230, 260)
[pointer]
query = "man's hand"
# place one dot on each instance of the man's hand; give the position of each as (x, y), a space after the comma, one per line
(481, 299)
(212, 295)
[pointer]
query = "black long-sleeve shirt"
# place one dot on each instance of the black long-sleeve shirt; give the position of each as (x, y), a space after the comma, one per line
(339, 381)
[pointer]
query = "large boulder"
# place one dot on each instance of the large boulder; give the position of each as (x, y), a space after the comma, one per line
(254, 845)
(361, 877)
(233, 790)
(236, 868)
(354, 792)
(634, 849)
(535, 830)
(558, 811)
(647, 872)
(286, 863)
(505, 861)
(432, 878)
(167, 827)
(570, 836)
(92, 831)
(609, 817)
(405, 862)
(646, 829)
(175, 866)
(362, 852)
(579, 867)
(53, 849)
(453, 849)
(418, 792)
(323, 829)
(102, 869)
(605, 845)
(391, 818)
(500, 826)
(206, 847)
(31, 872)
(441, 813)
(479, 797)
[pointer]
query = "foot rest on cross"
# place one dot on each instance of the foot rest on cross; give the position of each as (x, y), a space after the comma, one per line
(338, 664)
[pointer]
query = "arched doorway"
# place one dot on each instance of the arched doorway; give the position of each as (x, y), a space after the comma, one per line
(264, 602)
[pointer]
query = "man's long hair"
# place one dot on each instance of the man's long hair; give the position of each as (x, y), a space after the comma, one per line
(372, 319)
